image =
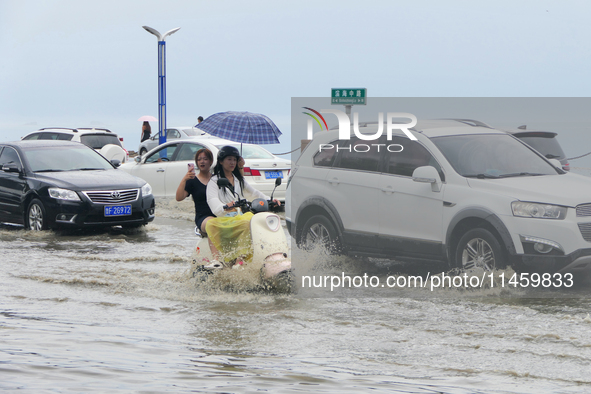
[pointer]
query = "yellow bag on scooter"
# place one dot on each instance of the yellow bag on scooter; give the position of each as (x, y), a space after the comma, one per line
(231, 236)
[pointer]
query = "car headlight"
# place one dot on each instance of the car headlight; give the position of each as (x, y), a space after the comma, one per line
(536, 210)
(146, 190)
(63, 194)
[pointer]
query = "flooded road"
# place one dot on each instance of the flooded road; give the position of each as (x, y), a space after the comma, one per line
(119, 311)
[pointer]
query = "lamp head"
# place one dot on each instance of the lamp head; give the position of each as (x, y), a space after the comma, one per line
(153, 31)
(168, 33)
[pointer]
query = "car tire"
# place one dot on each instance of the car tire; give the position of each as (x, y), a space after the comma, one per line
(478, 247)
(36, 218)
(319, 231)
(143, 151)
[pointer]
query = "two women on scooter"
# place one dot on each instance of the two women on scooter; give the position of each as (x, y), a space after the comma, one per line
(230, 231)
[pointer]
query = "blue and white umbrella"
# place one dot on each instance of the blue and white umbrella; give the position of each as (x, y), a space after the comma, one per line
(244, 127)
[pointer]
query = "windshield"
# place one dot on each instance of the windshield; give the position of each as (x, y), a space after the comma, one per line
(491, 156)
(65, 158)
(251, 151)
(97, 141)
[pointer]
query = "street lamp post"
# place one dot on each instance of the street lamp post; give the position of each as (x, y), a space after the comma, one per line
(161, 80)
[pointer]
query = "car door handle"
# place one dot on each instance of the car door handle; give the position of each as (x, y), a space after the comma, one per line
(388, 190)
(334, 181)
(160, 170)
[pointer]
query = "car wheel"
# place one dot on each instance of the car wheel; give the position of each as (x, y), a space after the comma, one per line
(36, 219)
(143, 151)
(319, 231)
(479, 248)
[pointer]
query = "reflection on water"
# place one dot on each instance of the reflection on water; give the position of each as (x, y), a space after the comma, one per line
(116, 310)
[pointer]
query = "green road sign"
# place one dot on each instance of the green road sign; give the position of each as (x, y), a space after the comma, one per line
(349, 96)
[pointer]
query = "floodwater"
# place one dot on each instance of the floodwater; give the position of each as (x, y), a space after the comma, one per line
(119, 311)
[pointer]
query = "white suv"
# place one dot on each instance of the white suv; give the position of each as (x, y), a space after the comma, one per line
(104, 141)
(463, 193)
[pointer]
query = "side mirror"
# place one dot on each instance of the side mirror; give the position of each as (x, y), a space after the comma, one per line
(116, 162)
(428, 174)
(277, 183)
(10, 167)
(137, 159)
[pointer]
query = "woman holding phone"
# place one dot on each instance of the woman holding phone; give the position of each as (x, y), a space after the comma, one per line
(195, 184)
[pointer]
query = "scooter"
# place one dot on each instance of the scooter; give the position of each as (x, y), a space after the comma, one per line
(269, 248)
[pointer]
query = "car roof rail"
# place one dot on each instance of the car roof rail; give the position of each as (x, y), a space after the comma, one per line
(94, 129)
(470, 122)
(59, 128)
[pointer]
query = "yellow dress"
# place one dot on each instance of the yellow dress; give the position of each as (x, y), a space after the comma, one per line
(231, 236)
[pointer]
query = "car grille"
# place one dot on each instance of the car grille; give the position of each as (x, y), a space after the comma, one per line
(113, 196)
(585, 231)
(584, 210)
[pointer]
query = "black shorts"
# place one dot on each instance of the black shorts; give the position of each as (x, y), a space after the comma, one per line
(199, 220)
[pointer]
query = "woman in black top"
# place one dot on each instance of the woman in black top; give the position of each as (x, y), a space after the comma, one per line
(196, 185)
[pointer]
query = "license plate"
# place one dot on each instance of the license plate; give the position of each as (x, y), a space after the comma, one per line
(273, 174)
(118, 210)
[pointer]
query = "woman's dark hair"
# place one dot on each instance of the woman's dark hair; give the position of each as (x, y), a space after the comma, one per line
(219, 169)
(147, 125)
(207, 152)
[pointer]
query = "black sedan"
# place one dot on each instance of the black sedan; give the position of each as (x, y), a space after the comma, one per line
(51, 184)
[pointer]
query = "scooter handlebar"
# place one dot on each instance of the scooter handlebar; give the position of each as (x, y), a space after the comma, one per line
(237, 204)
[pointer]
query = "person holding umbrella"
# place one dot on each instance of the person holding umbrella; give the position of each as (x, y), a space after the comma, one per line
(229, 232)
(146, 130)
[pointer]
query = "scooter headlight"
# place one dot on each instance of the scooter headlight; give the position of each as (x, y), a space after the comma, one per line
(273, 222)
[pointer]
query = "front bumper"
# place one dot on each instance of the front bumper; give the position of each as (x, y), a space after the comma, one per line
(577, 261)
(85, 213)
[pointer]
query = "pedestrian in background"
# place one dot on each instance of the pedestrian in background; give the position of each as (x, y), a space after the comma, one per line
(146, 131)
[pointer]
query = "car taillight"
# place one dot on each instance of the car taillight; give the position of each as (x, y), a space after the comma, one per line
(251, 172)
(121, 139)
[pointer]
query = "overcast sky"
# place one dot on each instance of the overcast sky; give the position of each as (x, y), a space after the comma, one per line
(78, 64)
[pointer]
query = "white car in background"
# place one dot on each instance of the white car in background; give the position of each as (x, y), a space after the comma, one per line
(172, 134)
(104, 141)
(165, 166)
